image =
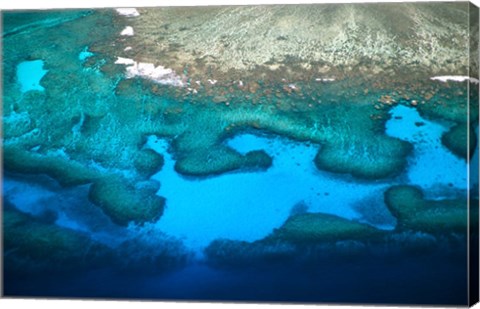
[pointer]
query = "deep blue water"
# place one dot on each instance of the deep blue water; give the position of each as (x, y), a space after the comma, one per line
(407, 279)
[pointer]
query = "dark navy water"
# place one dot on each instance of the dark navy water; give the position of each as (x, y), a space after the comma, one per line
(408, 280)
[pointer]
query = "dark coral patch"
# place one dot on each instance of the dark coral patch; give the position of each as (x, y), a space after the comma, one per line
(31, 247)
(415, 213)
(125, 202)
(461, 140)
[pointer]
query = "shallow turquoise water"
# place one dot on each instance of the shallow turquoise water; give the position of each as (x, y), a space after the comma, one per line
(429, 153)
(29, 75)
(85, 54)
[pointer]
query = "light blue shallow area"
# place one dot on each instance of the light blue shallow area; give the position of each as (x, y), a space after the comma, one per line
(29, 75)
(432, 166)
(85, 54)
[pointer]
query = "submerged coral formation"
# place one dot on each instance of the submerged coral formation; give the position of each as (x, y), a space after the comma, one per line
(415, 213)
(424, 226)
(461, 140)
(34, 247)
(125, 202)
(321, 227)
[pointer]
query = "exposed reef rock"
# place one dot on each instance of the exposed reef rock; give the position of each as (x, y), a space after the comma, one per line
(350, 38)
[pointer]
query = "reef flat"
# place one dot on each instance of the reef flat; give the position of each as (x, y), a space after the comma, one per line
(123, 109)
(331, 41)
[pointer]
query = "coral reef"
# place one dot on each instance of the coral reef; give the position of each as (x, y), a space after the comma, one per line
(32, 247)
(323, 75)
(437, 217)
(67, 172)
(93, 130)
(311, 228)
(335, 39)
(461, 140)
(372, 161)
(124, 201)
(423, 227)
(143, 255)
(88, 124)
(148, 162)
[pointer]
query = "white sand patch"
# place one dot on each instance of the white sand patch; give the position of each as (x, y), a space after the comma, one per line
(324, 79)
(159, 74)
(128, 31)
(125, 61)
(129, 12)
(454, 78)
(128, 48)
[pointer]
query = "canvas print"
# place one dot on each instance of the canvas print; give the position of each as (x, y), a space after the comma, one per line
(310, 153)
